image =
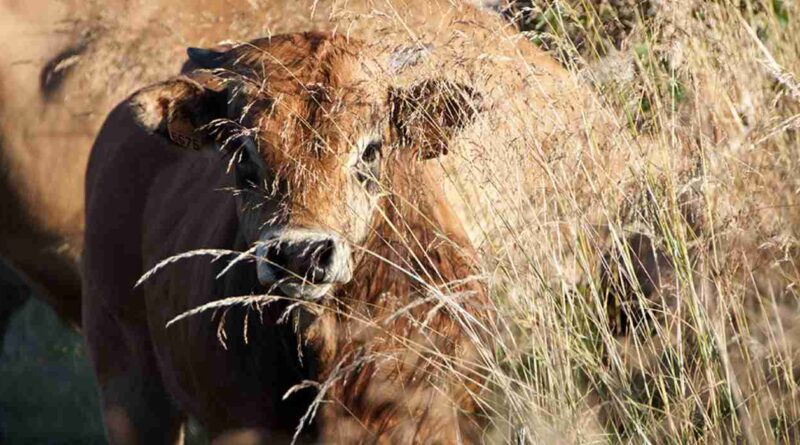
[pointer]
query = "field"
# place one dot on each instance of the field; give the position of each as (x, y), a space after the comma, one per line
(657, 304)
(685, 330)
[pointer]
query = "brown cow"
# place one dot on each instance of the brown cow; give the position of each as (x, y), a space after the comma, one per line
(67, 63)
(320, 175)
(42, 158)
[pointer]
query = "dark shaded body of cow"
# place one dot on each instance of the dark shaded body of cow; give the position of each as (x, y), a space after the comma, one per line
(185, 207)
(393, 348)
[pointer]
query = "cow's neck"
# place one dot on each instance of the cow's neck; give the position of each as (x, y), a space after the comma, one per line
(382, 346)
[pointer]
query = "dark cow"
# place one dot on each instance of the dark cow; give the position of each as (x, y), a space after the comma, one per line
(319, 174)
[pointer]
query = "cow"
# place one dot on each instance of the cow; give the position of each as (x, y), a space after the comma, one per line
(42, 159)
(66, 64)
(288, 149)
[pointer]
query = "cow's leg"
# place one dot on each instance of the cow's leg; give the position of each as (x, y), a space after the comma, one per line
(136, 407)
(255, 436)
(243, 437)
(136, 410)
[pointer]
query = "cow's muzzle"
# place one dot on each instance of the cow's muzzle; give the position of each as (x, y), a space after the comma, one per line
(303, 263)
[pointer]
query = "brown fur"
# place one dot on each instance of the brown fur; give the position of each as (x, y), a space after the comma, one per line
(148, 200)
(403, 366)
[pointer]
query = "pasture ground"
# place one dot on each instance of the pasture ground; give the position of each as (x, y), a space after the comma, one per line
(47, 391)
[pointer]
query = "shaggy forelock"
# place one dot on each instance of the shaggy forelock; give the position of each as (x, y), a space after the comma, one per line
(308, 100)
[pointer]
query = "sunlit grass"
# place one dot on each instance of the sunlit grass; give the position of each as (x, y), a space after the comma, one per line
(711, 359)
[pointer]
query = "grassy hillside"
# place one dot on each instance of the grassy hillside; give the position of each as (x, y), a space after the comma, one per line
(703, 347)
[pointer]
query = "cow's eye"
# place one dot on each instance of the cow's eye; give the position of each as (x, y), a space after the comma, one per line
(372, 152)
(368, 168)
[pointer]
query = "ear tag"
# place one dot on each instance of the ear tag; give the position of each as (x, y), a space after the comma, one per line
(208, 80)
(182, 133)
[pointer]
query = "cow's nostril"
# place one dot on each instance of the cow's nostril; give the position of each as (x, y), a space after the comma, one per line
(324, 254)
(311, 260)
(316, 261)
(277, 258)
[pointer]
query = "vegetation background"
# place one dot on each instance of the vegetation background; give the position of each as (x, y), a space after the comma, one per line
(685, 330)
(47, 390)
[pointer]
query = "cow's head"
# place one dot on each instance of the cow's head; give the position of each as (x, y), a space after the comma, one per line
(309, 129)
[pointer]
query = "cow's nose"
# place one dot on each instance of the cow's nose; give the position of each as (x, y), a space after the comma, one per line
(314, 260)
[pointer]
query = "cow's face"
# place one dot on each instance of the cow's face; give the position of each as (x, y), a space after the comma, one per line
(309, 131)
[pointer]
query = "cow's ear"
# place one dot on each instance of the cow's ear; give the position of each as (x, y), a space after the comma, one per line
(182, 108)
(425, 116)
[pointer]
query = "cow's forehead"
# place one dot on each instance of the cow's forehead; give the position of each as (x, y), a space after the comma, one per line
(323, 99)
(308, 61)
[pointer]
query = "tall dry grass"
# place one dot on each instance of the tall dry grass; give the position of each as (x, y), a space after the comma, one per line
(705, 352)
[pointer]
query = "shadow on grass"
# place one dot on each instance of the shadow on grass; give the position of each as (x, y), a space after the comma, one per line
(47, 390)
